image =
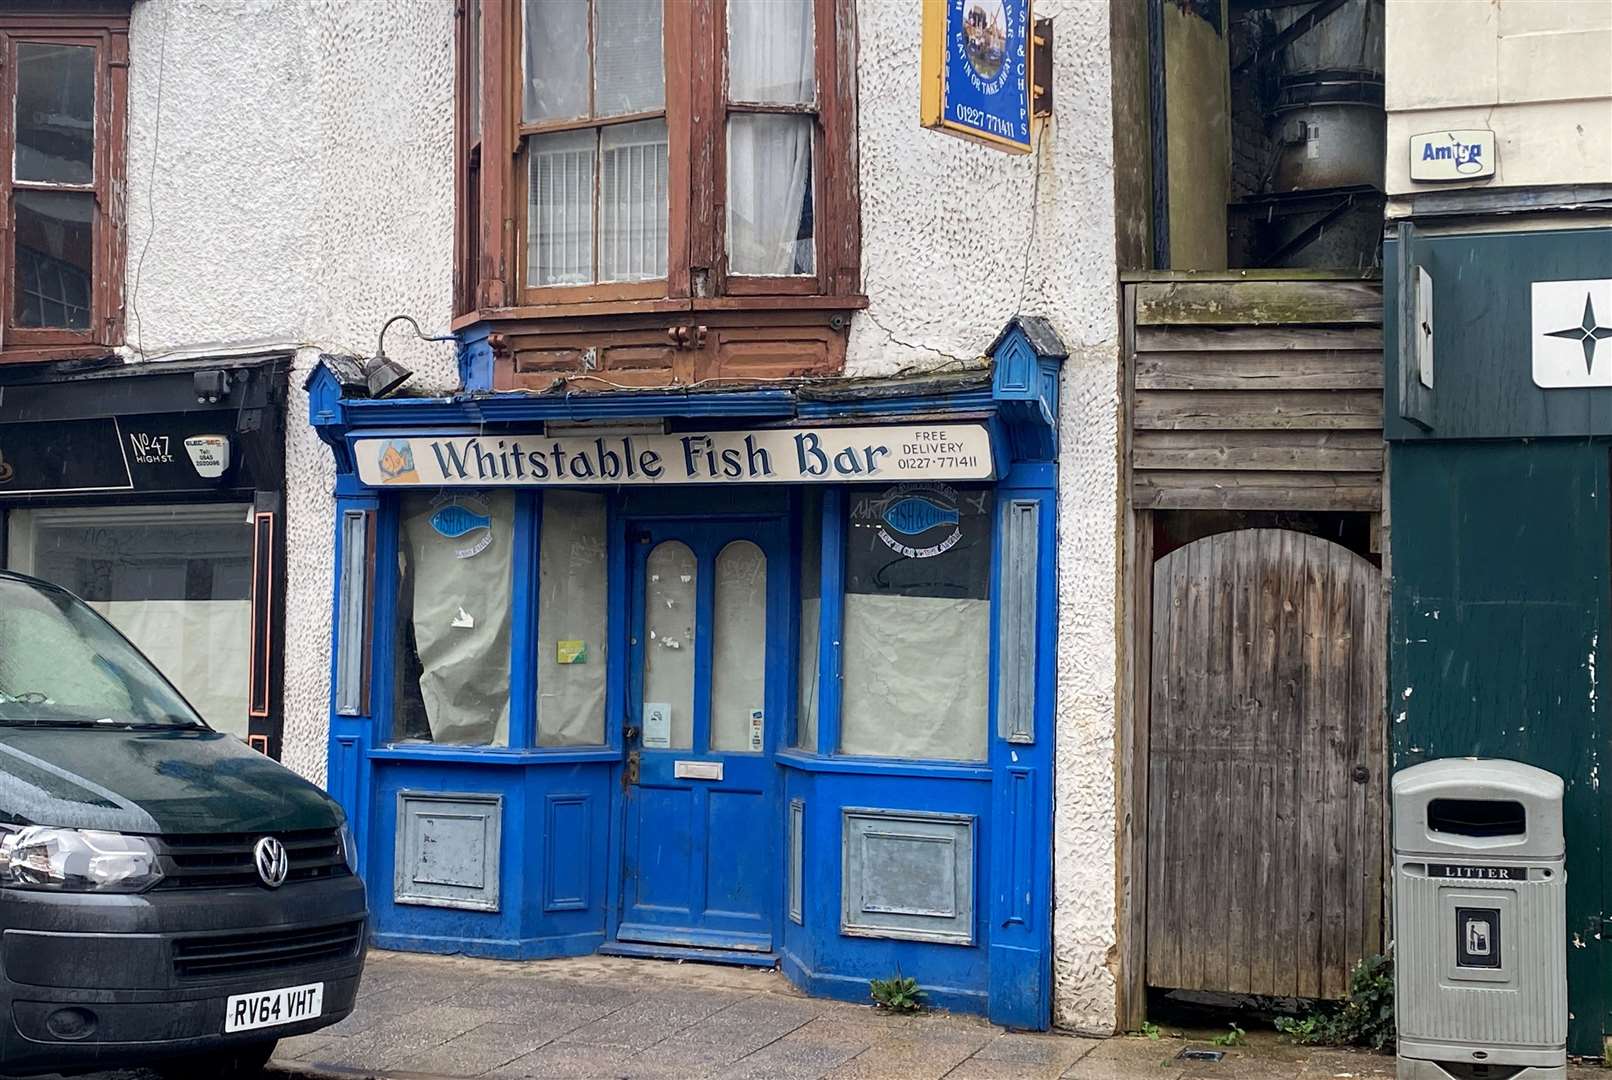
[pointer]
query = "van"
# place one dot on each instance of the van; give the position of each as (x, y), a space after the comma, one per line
(168, 896)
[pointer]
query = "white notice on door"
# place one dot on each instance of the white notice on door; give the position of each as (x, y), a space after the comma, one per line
(657, 725)
(757, 727)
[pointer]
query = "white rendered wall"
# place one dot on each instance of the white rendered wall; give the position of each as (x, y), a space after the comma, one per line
(1536, 72)
(332, 209)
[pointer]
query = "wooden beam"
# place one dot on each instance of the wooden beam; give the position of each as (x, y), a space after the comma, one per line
(1170, 490)
(1254, 410)
(1306, 369)
(1259, 303)
(1257, 339)
(1287, 451)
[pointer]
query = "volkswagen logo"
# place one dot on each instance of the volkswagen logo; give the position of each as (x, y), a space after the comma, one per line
(272, 864)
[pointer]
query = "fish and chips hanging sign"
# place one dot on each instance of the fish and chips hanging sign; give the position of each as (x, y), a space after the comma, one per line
(977, 70)
(903, 453)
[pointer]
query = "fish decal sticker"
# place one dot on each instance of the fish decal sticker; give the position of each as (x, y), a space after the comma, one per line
(454, 521)
(916, 514)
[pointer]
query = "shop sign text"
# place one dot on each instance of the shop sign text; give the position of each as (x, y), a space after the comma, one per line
(843, 455)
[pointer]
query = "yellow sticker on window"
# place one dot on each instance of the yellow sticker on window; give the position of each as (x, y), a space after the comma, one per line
(572, 652)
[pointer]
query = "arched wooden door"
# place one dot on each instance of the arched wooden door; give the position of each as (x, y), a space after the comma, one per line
(1265, 763)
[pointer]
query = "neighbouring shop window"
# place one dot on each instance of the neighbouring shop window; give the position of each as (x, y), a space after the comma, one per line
(811, 610)
(455, 561)
(739, 649)
(176, 580)
(916, 635)
(62, 148)
(670, 589)
(571, 620)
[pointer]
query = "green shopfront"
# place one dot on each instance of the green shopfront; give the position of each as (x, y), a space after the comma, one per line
(1499, 426)
(760, 675)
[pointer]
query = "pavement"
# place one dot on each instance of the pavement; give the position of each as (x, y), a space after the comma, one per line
(447, 1018)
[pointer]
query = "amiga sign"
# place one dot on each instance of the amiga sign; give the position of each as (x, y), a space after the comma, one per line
(936, 451)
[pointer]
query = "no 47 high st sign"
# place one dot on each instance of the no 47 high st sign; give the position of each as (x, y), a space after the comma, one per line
(936, 451)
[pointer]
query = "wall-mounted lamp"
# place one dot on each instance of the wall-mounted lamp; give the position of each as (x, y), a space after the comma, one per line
(382, 374)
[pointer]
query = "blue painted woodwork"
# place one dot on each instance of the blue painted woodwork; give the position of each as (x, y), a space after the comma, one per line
(700, 855)
(566, 877)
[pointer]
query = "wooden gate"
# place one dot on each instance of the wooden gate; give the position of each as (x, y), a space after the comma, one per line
(1265, 761)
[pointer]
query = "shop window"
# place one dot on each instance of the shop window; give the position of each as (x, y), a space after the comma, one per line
(811, 610)
(455, 562)
(63, 102)
(739, 649)
(176, 580)
(571, 620)
(669, 612)
(916, 633)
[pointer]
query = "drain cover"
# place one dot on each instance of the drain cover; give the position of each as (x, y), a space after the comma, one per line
(1191, 1054)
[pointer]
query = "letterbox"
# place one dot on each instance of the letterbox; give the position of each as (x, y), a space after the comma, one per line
(1480, 949)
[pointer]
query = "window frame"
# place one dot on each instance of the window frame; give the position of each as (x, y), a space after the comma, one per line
(492, 177)
(107, 33)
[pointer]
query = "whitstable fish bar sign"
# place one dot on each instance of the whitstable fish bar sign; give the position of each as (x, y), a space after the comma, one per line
(771, 455)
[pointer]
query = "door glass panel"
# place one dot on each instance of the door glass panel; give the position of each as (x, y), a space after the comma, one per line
(55, 113)
(572, 595)
(670, 574)
(739, 649)
(811, 606)
(176, 581)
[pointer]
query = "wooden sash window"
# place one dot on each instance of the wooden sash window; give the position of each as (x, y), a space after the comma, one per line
(656, 150)
(63, 93)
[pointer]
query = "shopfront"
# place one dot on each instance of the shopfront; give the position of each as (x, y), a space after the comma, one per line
(761, 675)
(154, 492)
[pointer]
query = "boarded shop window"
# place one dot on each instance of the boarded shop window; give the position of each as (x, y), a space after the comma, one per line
(61, 141)
(571, 604)
(176, 580)
(916, 636)
(455, 558)
(811, 611)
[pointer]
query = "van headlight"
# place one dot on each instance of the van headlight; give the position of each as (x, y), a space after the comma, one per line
(349, 853)
(76, 860)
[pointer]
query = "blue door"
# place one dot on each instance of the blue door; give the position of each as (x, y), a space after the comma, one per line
(705, 710)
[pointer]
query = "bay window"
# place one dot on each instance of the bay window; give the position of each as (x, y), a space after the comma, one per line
(63, 89)
(691, 163)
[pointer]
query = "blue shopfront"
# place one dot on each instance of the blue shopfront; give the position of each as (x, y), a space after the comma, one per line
(760, 675)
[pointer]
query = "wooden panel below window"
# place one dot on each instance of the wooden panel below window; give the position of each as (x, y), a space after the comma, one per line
(653, 349)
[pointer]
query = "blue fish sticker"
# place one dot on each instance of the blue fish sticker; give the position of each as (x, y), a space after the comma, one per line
(454, 521)
(915, 514)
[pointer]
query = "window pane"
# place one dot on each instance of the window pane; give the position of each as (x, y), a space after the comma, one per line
(54, 237)
(455, 557)
(555, 60)
(177, 581)
(572, 595)
(811, 606)
(770, 194)
(55, 113)
(739, 649)
(560, 211)
(632, 201)
(669, 586)
(629, 70)
(916, 640)
(770, 51)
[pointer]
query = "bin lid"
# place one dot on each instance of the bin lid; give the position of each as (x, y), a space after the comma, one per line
(1478, 780)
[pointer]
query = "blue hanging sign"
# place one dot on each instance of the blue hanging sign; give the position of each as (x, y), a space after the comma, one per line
(977, 70)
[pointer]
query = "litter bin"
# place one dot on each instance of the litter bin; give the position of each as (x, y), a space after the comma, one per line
(1480, 949)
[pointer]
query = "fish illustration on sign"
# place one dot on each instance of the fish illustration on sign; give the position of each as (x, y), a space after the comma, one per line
(916, 514)
(396, 462)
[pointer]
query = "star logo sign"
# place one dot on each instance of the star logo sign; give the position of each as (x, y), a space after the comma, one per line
(1587, 333)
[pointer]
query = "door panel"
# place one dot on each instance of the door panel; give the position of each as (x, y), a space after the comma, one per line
(702, 814)
(1265, 766)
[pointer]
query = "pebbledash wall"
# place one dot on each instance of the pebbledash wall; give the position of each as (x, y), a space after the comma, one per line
(290, 183)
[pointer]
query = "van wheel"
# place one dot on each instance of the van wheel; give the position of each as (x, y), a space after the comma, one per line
(237, 1061)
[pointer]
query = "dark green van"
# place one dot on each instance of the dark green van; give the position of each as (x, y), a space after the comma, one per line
(167, 895)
